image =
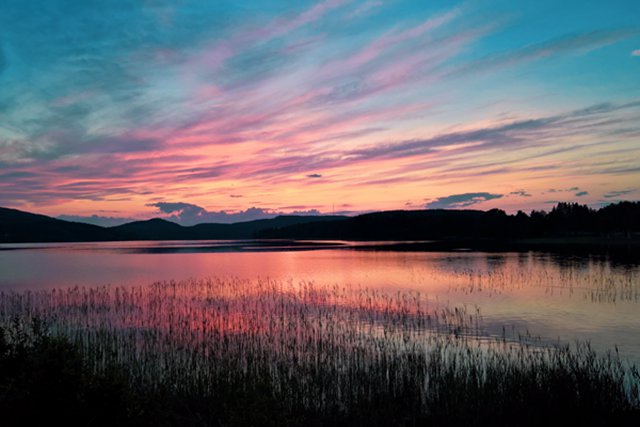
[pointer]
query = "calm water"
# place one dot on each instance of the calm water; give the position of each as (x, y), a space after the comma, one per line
(558, 298)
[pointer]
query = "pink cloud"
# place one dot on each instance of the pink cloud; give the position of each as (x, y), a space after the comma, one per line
(366, 8)
(313, 14)
(376, 48)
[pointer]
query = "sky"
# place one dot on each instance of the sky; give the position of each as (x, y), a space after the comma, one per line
(225, 111)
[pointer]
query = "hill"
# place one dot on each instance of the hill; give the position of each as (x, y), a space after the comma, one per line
(152, 229)
(23, 227)
(566, 222)
(399, 225)
(569, 221)
(250, 229)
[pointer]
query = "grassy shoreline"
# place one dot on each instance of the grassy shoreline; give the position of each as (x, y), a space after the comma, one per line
(268, 353)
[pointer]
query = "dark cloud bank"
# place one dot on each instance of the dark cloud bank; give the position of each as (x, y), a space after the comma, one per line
(189, 214)
(104, 221)
(457, 201)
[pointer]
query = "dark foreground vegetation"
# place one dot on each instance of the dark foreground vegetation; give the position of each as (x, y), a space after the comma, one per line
(222, 353)
(566, 224)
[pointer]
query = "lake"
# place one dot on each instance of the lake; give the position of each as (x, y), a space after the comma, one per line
(558, 298)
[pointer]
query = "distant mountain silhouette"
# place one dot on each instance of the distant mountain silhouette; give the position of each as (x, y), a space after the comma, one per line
(21, 227)
(152, 229)
(18, 226)
(566, 220)
(397, 225)
(249, 229)
(160, 229)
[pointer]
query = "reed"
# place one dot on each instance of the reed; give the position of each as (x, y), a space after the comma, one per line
(227, 347)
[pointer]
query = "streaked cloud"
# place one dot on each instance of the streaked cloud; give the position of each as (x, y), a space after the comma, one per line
(366, 8)
(207, 101)
(458, 201)
(572, 43)
(618, 193)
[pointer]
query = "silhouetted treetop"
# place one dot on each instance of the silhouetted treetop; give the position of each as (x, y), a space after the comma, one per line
(564, 219)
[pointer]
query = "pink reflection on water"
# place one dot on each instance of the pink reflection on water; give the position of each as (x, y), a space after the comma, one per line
(236, 317)
(559, 299)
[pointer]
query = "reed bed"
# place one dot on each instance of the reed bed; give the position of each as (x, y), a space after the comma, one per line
(337, 354)
(592, 280)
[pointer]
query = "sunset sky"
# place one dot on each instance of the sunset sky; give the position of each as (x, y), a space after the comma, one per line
(225, 111)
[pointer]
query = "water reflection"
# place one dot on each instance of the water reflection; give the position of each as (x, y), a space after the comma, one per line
(556, 297)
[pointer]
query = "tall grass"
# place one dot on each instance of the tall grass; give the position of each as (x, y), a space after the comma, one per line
(594, 280)
(310, 353)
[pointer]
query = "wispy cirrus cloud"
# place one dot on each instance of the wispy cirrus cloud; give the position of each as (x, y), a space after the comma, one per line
(366, 8)
(572, 43)
(618, 193)
(204, 101)
(512, 134)
(446, 155)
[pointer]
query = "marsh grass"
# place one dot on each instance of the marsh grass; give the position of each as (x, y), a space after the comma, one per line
(592, 280)
(239, 352)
